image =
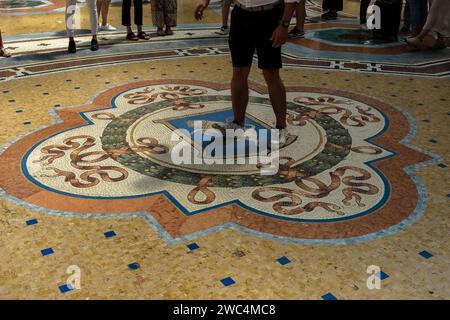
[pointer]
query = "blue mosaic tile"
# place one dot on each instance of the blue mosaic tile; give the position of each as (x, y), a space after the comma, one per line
(193, 246)
(228, 281)
(426, 120)
(109, 234)
(382, 275)
(107, 82)
(57, 106)
(433, 140)
(65, 288)
(11, 101)
(27, 122)
(425, 254)
(68, 80)
(329, 296)
(283, 260)
(442, 165)
(77, 88)
(5, 91)
(134, 266)
(19, 111)
(45, 93)
(31, 222)
(46, 252)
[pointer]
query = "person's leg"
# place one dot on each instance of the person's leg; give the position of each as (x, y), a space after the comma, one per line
(71, 8)
(138, 16)
(126, 15)
(3, 51)
(239, 93)
(226, 4)
(105, 11)
(277, 93)
(170, 15)
(363, 11)
(93, 17)
(418, 13)
(300, 13)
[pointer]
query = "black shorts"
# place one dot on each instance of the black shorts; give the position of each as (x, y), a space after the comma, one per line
(252, 30)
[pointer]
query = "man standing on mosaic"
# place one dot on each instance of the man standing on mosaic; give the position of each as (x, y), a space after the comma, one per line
(260, 25)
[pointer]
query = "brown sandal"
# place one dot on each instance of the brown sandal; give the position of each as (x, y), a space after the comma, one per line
(143, 36)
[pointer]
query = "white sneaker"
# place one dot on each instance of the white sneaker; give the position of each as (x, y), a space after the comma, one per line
(227, 126)
(107, 27)
(223, 31)
(363, 27)
(283, 137)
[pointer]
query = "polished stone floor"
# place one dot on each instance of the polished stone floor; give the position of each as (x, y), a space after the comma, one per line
(87, 179)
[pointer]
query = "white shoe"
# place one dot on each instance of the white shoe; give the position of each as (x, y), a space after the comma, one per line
(363, 27)
(283, 137)
(223, 31)
(107, 27)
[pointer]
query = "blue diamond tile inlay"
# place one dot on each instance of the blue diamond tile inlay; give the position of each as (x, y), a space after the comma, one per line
(193, 246)
(442, 165)
(134, 266)
(65, 288)
(19, 111)
(283, 260)
(46, 252)
(31, 222)
(27, 122)
(110, 234)
(425, 254)
(227, 281)
(329, 296)
(382, 275)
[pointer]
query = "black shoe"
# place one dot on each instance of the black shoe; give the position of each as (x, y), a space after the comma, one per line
(94, 45)
(72, 47)
(330, 15)
(296, 33)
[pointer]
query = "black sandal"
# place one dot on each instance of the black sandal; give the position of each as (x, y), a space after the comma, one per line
(132, 37)
(142, 35)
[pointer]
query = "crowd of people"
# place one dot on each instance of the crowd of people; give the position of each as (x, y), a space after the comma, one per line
(426, 23)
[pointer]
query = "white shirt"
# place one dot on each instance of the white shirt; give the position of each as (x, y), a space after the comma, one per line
(258, 3)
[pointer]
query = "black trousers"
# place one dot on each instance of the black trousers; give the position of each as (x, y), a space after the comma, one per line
(391, 11)
(126, 13)
(337, 5)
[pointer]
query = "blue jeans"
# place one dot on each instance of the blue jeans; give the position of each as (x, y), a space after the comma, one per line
(419, 12)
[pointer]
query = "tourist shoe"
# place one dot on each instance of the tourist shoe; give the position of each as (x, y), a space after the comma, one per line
(132, 37)
(169, 31)
(413, 42)
(160, 33)
(94, 45)
(142, 35)
(227, 126)
(107, 27)
(72, 47)
(296, 33)
(224, 30)
(363, 27)
(5, 53)
(330, 15)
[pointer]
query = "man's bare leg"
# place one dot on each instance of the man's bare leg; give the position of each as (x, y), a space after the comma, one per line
(300, 13)
(277, 93)
(239, 93)
(225, 12)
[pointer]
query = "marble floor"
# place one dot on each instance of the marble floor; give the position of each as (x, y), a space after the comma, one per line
(87, 186)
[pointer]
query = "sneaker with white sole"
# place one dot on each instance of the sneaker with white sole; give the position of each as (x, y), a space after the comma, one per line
(224, 30)
(107, 27)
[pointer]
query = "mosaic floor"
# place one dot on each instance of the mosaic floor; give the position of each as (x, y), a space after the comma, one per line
(87, 178)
